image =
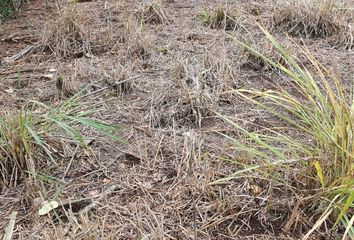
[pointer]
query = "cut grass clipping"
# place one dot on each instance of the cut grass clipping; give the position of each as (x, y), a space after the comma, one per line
(28, 137)
(322, 113)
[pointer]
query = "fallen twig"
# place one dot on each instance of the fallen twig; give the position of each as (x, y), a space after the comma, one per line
(70, 163)
(10, 227)
(100, 198)
(22, 53)
(106, 87)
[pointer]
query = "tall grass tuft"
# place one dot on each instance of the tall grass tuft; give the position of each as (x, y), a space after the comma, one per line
(219, 18)
(316, 142)
(27, 136)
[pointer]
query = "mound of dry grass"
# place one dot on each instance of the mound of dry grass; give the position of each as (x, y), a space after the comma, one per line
(315, 19)
(193, 95)
(138, 44)
(257, 63)
(153, 14)
(119, 80)
(66, 36)
(220, 18)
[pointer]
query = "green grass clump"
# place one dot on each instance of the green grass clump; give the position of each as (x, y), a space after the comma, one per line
(10, 8)
(319, 113)
(28, 136)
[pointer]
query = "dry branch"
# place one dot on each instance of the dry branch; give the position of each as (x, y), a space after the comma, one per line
(10, 227)
(21, 54)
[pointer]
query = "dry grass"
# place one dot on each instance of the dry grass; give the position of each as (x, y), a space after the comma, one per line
(257, 63)
(163, 80)
(153, 13)
(15, 147)
(119, 80)
(320, 19)
(66, 37)
(220, 18)
(137, 43)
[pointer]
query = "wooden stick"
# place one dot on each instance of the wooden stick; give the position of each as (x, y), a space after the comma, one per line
(101, 197)
(22, 53)
(105, 88)
(70, 163)
(10, 228)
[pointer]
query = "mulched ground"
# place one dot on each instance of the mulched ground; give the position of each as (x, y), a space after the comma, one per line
(158, 185)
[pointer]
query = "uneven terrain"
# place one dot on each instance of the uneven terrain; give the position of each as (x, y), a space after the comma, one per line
(174, 75)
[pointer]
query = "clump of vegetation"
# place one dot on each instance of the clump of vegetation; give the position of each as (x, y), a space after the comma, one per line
(219, 18)
(153, 14)
(257, 63)
(119, 80)
(311, 155)
(28, 137)
(10, 8)
(320, 19)
(199, 86)
(218, 73)
(299, 19)
(66, 37)
(137, 43)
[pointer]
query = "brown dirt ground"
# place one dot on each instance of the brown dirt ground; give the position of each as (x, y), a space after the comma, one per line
(162, 176)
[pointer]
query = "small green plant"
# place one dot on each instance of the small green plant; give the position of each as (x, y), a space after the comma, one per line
(315, 143)
(10, 8)
(27, 136)
(219, 18)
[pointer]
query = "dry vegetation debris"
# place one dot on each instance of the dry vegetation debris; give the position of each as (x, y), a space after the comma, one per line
(66, 36)
(319, 19)
(220, 18)
(153, 13)
(164, 77)
(253, 61)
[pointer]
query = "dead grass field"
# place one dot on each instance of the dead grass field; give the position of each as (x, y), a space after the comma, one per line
(163, 73)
